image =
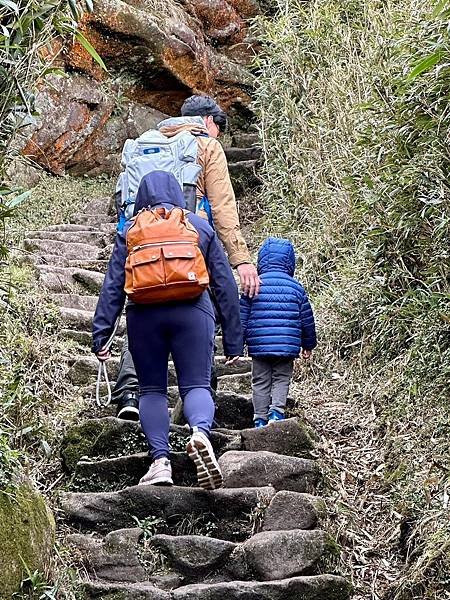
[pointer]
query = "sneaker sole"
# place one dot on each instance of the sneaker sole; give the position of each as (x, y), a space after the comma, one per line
(209, 476)
(129, 413)
(158, 481)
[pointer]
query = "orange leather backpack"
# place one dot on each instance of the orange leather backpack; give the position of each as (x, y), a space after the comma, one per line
(164, 260)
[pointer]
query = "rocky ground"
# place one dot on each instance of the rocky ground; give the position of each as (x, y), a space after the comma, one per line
(257, 538)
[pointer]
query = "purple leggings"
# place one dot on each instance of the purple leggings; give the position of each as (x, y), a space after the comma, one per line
(187, 333)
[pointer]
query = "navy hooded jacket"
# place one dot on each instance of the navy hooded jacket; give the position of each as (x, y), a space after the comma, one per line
(279, 321)
(160, 188)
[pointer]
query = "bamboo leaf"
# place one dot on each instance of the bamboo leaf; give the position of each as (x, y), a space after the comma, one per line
(74, 9)
(10, 4)
(90, 49)
(90, 5)
(425, 64)
(439, 8)
(18, 199)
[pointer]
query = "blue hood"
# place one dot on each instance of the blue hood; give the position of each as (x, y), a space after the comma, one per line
(276, 254)
(159, 187)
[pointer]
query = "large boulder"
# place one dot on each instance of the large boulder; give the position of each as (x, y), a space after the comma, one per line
(157, 54)
(79, 128)
(27, 535)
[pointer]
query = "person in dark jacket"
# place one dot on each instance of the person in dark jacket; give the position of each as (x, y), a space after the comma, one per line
(183, 329)
(277, 325)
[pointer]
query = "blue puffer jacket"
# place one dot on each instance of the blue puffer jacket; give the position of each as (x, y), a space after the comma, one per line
(279, 321)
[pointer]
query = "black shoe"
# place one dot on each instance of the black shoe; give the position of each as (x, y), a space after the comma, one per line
(128, 407)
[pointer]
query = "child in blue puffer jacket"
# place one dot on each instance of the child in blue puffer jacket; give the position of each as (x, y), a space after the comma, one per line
(277, 325)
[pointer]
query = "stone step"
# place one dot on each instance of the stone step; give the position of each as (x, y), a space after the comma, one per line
(265, 556)
(81, 320)
(108, 227)
(83, 369)
(70, 227)
(114, 474)
(75, 301)
(242, 154)
(66, 280)
(84, 336)
(84, 339)
(57, 279)
(227, 511)
(239, 384)
(314, 587)
(109, 437)
(99, 264)
(245, 140)
(243, 176)
(100, 206)
(259, 469)
(93, 237)
(96, 220)
(68, 250)
(233, 411)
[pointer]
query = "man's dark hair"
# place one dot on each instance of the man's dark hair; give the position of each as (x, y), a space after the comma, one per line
(204, 106)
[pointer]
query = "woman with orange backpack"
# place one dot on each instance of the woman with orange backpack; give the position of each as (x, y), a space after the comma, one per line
(164, 262)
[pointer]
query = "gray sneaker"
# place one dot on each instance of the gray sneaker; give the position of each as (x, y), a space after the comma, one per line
(160, 473)
(199, 450)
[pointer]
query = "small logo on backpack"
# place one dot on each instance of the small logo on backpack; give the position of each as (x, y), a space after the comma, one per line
(192, 276)
(151, 150)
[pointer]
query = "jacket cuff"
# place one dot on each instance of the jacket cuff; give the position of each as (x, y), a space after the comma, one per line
(233, 349)
(239, 258)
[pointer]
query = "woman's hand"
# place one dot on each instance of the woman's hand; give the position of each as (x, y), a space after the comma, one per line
(103, 354)
(232, 360)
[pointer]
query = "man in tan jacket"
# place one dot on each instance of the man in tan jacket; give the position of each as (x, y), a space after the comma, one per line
(215, 189)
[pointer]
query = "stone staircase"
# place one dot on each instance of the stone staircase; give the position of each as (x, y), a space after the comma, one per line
(258, 537)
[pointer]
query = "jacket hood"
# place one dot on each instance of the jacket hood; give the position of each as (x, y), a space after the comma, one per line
(175, 125)
(156, 188)
(276, 254)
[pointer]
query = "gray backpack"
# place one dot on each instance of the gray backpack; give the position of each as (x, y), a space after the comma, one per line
(153, 151)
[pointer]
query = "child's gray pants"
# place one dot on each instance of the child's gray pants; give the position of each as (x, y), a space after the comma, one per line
(271, 376)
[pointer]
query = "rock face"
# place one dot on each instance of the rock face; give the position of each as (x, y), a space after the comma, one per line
(80, 130)
(157, 54)
(27, 535)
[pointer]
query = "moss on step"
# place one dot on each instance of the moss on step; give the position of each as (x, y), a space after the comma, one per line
(100, 437)
(27, 534)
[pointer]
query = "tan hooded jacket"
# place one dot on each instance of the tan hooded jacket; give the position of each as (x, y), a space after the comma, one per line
(214, 183)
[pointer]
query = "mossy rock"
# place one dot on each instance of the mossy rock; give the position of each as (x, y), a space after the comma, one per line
(106, 437)
(27, 536)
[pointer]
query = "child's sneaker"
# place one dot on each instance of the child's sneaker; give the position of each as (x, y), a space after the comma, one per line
(275, 415)
(199, 450)
(160, 473)
(260, 423)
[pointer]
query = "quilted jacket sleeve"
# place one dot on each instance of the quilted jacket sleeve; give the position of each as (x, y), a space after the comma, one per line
(307, 323)
(246, 307)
